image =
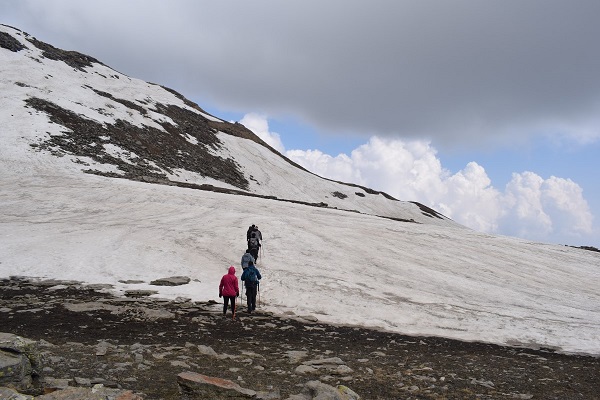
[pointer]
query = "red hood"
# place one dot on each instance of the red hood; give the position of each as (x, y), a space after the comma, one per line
(232, 270)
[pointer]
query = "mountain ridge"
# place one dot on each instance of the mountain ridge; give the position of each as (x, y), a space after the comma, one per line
(169, 138)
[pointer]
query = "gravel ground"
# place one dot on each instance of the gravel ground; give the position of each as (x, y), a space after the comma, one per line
(89, 336)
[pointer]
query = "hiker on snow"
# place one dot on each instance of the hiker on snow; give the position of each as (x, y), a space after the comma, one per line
(229, 290)
(251, 229)
(246, 258)
(254, 245)
(251, 277)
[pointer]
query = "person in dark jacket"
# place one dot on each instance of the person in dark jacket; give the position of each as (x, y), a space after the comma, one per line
(253, 229)
(251, 277)
(229, 290)
(254, 246)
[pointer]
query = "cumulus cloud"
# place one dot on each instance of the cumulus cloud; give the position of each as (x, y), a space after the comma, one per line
(529, 206)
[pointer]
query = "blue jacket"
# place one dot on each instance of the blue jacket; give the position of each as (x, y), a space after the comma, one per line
(246, 275)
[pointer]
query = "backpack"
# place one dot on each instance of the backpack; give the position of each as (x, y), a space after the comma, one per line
(251, 277)
(253, 243)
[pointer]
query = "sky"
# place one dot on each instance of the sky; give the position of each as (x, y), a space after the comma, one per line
(486, 111)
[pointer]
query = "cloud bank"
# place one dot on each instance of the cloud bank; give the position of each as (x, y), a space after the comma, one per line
(529, 206)
(450, 72)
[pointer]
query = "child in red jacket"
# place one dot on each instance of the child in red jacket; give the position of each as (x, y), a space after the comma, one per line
(229, 290)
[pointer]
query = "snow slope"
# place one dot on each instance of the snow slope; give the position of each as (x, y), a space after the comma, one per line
(29, 73)
(429, 278)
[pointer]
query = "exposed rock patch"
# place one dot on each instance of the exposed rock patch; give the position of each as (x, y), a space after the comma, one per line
(171, 281)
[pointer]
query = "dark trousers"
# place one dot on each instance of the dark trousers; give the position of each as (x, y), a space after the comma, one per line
(254, 253)
(227, 299)
(251, 297)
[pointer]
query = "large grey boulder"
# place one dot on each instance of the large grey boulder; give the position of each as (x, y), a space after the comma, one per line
(19, 361)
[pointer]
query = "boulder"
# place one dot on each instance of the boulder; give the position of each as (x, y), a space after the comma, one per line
(10, 394)
(171, 281)
(208, 387)
(313, 390)
(19, 360)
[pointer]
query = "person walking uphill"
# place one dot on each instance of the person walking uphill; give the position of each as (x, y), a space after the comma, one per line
(246, 258)
(251, 277)
(229, 290)
(253, 229)
(254, 246)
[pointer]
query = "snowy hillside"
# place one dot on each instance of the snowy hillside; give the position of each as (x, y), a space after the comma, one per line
(97, 120)
(433, 277)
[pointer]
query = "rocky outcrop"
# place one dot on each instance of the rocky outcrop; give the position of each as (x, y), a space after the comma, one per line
(19, 361)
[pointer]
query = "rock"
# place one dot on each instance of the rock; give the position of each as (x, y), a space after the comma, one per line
(140, 293)
(208, 387)
(305, 369)
(207, 350)
(10, 394)
(19, 359)
(53, 384)
(333, 365)
(296, 356)
(102, 348)
(94, 393)
(171, 281)
(321, 391)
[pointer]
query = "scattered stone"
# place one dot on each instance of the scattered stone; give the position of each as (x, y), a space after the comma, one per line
(102, 348)
(207, 387)
(11, 394)
(319, 390)
(140, 293)
(296, 356)
(207, 351)
(171, 281)
(95, 393)
(145, 353)
(333, 365)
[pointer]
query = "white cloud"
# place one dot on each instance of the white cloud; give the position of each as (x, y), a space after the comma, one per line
(552, 209)
(545, 207)
(259, 124)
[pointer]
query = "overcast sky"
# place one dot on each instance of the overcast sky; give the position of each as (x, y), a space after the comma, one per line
(487, 111)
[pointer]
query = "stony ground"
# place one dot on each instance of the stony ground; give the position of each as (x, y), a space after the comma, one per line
(88, 336)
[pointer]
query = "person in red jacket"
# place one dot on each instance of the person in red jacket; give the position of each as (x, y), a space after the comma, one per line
(229, 290)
